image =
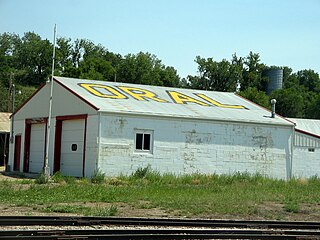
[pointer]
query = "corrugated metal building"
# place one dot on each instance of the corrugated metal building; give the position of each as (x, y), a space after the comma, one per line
(306, 147)
(119, 127)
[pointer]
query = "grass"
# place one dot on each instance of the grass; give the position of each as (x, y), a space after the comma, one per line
(194, 195)
(83, 210)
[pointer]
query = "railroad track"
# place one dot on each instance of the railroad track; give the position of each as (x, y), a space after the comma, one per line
(157, 228)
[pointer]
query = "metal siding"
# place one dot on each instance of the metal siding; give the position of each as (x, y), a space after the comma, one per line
(37, 145)
(304, 140)
(252, 113)
(308, 125)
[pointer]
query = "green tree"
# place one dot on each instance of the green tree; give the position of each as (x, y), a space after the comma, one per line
(256, 96)
(252, 74)
(309, 79)
(215, 76)
(145, 68)
(313, 108)
(34, 57)
(96, 68)
(290, 102)
(63, 56)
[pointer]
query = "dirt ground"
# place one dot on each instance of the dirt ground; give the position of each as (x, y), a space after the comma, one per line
(269, 210)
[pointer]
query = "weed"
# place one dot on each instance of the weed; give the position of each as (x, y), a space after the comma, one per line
(57, 177)
(98, 177)
(141, 172)
(42, 179)
(70, 180)
(292, 207)
(101, 211)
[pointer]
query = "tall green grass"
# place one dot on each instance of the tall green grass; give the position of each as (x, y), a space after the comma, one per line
(196, 194)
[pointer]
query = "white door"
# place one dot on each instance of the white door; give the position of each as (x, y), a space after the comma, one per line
(37, 143)
(72, 142)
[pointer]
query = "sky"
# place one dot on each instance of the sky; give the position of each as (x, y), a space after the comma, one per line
(283, 32)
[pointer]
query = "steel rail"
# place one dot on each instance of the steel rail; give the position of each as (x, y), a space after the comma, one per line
(81, 221)
(160, 234)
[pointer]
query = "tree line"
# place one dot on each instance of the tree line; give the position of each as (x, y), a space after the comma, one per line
(26, 61)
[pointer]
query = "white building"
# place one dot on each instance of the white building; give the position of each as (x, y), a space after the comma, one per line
(119, 127)
(306, 148)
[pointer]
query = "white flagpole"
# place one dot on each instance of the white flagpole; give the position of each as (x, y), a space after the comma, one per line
(46, 168)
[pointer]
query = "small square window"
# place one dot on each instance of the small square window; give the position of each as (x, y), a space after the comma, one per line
(311, 149)
(144, 141)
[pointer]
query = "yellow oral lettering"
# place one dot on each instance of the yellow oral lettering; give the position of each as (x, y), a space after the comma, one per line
(210, 100)
(182, 98)
(141, 94)
(99, 90)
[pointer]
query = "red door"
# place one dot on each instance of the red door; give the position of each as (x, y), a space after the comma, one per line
(17, 153)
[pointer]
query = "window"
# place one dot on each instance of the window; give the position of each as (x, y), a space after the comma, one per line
(144, 141)
(311, 149)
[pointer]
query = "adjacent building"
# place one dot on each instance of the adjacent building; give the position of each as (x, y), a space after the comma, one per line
(4, 137)
(306, 147)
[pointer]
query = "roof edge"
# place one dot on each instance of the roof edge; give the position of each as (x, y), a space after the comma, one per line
(28, 99)
(307, 133)
(76, 94)
(194, 118)
(264, 108)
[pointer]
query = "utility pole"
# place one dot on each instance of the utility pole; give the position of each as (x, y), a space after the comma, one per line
(46, 168)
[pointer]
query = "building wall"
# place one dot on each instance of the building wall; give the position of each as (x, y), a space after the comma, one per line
(18, 130)
(64, 104)
(187, 146)
(91, 153)
(306, 160)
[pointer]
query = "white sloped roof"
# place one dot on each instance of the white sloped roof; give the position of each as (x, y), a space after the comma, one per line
(171, 102)
(4, 122)
(307, 125)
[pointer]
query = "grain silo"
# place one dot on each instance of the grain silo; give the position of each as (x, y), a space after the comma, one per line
(275, 79)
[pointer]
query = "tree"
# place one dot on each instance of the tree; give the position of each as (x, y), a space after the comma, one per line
(256, 96)
(313, 108)
(96, 68)
(63, 56)
(290, 102)
(145, 68)
(309, 79)
(215, 76)
(34, 57)
(252, 74)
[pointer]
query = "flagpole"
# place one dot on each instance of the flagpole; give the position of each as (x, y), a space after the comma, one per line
(46, 168)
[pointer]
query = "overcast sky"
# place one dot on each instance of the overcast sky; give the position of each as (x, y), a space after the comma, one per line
(283, 32)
